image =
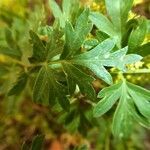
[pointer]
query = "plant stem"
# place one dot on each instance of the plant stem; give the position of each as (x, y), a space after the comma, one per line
(138, 71)
(25, 66)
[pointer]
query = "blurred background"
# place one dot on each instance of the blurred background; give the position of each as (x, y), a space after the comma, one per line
(21, 119)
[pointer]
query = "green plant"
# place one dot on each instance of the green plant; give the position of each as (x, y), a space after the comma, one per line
(78, 48)
(37, 143)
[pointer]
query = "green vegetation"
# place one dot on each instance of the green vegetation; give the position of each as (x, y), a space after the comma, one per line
(74, 68)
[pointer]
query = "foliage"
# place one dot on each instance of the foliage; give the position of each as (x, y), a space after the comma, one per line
(60, 63)
(130, 97)
(36, 143)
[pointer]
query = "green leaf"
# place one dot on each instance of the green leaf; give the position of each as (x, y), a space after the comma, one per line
(55, 9)
(57, 12)
(101, 56)
(118, 11)
(107, 91)
(110, 95)
(75, 37)
(148, 26)
(66, 7)
(130, 25)
(39, 50)
(93, 60)
(101, 36)
(143, 50)
(11, 41)
(76, 76)
(9, 38)
(140, 90)
(122, 120)
(138, 117)
(12, 49)
(65, 13)
(88, 44)
(137, 36)
(70, 117)
(132, 58)
(40, 85)
(55, 44)
(102, 23)
(19, 86)
(129, 96)
(105, 104)
(47, 89)
(14, 53)
(142, 102)
(37, 143)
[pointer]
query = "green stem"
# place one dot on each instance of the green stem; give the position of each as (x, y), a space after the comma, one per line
(138, 71)
(25, 66)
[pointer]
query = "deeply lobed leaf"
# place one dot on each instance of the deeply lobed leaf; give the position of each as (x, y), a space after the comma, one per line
(47, 89)
(132, 100)
(76, 76)
(101, 56)
(75, 37)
